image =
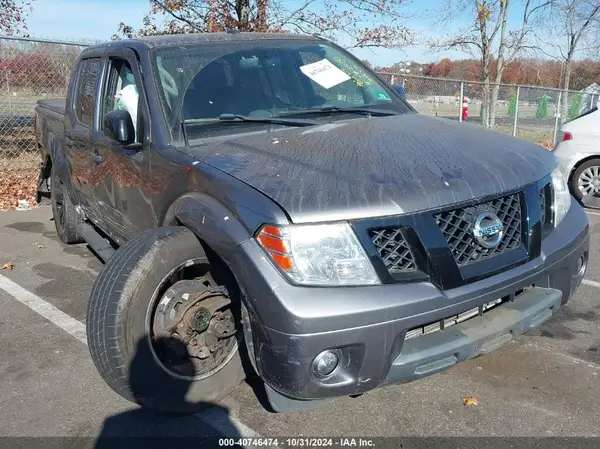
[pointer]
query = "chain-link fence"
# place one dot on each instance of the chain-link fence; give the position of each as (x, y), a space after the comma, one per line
(31, 70)
(532, 113)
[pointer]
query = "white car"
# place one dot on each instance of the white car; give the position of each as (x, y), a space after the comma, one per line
(578, 153)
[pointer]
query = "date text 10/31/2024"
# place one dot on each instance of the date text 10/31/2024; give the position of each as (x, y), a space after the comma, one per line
(296, 442)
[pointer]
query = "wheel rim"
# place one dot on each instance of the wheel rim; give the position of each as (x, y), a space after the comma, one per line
(589, 181)
(161, 308)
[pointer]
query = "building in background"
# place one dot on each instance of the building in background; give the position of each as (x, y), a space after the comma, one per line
(590, 98)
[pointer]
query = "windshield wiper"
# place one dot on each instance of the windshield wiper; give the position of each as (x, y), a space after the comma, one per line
(275, 120)
(328, 109)
(363, 111)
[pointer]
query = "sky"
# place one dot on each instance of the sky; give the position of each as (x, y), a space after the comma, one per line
(99, 20)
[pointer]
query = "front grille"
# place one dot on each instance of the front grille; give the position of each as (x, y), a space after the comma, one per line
(393, 250)
(457, 227)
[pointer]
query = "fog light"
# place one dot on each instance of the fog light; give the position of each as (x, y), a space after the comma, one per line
(325, 363)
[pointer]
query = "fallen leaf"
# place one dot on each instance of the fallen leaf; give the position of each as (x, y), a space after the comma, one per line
(470, 400)
(547, 144)
(18, 182)
(7, 266)
(39, 245)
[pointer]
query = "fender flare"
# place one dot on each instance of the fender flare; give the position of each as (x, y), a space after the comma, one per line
(58, 157)
(210, 220)
(60, 163)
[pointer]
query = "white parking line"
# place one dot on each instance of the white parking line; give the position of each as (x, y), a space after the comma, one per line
(218, 419)
(45, 309)
(592, 213)
(575, 360)
(592, 283)
(227, 425)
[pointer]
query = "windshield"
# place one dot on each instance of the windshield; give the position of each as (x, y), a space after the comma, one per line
(199, 83)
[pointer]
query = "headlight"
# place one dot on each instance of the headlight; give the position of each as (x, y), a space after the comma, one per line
(328, 254)
(562, 196)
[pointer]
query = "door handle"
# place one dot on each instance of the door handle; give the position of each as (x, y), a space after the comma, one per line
(97, 158)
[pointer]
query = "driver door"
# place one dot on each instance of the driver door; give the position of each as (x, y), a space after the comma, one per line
(121, 173)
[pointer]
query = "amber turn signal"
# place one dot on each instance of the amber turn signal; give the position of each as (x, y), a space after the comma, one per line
(276, 245)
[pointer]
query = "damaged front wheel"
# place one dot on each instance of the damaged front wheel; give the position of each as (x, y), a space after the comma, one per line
(161, 330)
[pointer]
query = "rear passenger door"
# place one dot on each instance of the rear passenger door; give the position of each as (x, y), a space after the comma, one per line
(79, 122)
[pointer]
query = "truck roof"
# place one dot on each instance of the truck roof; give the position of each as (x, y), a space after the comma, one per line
(195, 38)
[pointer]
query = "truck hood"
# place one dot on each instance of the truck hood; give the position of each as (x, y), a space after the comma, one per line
(374, 167)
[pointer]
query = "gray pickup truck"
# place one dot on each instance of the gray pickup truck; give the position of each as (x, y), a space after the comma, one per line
(267, 207)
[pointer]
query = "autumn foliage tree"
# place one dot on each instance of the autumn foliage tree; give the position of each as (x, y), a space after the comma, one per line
(526, 71)
(37, 67)
(353, 23)
(34, 72)
(12, 16)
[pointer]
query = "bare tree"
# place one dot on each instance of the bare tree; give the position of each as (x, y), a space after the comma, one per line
(570, 23)
(490, 38)
(358, 23)
(485, 17)
(511, 43)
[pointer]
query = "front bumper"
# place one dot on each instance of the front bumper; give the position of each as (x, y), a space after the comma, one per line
(432, 353)
(290, 325)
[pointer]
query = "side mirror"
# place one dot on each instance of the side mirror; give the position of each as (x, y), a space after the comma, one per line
(118, 126)
(399, 90)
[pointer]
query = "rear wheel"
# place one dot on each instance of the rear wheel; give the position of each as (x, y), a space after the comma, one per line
(63, 211)
(162, 330)
(586, 180)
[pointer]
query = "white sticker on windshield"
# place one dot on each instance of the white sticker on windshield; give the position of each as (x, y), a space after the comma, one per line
(324, 73)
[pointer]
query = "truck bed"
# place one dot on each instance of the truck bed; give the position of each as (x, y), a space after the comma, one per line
(50, 125)
(57, 105)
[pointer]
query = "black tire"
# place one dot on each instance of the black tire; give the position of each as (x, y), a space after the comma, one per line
(65, 216)
(118, 317)
(574, 182)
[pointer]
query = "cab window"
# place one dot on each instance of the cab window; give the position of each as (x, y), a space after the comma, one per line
(122, 92)
(86, 87)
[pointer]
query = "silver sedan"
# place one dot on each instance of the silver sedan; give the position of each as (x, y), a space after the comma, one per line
(578, 154)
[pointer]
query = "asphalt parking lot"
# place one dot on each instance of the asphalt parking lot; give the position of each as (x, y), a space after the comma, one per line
(547, 383)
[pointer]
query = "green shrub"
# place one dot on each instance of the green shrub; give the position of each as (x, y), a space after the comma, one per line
(575, 106)
(512, 105)
(542, 109)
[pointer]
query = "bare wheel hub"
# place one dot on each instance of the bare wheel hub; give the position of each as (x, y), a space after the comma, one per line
(198, 314)
(200, 320)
